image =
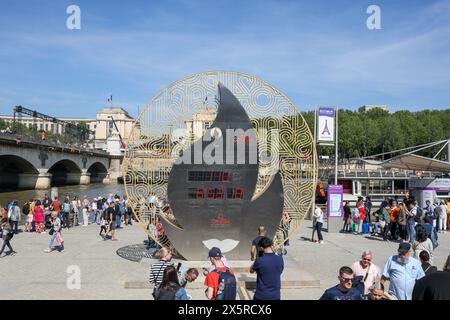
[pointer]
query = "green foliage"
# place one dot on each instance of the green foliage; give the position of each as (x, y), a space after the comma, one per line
(377, 131)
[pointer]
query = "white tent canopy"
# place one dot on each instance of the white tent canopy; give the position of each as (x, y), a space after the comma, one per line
(415, 162)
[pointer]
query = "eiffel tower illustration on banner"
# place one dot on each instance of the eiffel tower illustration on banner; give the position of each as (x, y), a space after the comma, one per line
(325, 129)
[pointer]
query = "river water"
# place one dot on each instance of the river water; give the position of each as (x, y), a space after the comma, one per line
(92, 191)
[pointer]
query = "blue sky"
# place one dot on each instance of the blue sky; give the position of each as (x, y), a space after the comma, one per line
(316, 52)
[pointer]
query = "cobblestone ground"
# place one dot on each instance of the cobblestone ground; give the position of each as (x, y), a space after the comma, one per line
(34, 274)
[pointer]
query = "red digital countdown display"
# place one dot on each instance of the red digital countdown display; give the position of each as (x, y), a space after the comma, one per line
(216, 193)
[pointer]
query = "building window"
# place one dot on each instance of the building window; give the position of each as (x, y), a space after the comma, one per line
(41, 126)
(46, 127)
(52, 128)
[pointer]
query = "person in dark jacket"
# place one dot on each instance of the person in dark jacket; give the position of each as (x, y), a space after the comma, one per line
(347, 216)
(426, 265)
(435, 286)
(7, 236)
(431, 231)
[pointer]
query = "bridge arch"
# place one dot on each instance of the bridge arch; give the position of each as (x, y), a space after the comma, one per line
(98, 172)
(12, 171)
(65, 172)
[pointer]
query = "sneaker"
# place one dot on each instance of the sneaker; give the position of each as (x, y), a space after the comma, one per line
(47, 250)
(321, 242)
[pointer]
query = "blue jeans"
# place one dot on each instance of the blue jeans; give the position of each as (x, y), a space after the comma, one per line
(94, 218)
(118, 220)
(52, 239)
(411, 231)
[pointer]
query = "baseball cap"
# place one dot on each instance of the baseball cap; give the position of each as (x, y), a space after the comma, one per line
(404, 247)
(214, 252)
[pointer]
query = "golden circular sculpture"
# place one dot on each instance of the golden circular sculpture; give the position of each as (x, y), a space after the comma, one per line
(181, 113)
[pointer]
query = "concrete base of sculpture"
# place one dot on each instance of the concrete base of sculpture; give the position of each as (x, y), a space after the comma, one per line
(292, 278)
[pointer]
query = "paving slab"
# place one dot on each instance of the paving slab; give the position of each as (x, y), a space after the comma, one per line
(310, 268)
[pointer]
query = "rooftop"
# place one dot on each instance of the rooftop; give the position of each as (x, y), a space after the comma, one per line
(115, 110)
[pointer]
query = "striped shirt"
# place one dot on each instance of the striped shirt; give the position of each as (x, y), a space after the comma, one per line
(157, 272)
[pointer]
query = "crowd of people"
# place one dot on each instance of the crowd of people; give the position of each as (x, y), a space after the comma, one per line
(395, 220)
(409, 278)
(53, 215)
(220, 281)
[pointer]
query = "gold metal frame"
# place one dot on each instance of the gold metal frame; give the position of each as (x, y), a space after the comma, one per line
(149, 154)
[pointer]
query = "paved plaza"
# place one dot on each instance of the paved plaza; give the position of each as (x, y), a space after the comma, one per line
(34, 274)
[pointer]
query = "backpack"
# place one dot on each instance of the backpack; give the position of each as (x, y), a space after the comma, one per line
(418, 215)
(66, 207)
(356, 215)
(26, 208)
(227, 285)
(167, 294)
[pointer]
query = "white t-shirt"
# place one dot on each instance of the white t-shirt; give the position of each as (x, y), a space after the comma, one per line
(373, 276)
(444, 211)
(318, 214)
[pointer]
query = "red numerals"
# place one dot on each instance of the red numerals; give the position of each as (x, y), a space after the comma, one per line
(215, 193)
(225, 176)
(237, 193)
(200, 194)
(219, 194)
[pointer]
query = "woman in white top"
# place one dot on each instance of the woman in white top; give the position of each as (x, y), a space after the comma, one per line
(85, 209)
(443, 217)
(422, 243)
(318, 215)
(76, 211)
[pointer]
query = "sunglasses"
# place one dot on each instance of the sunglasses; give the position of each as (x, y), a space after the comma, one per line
(365, 259)
(346, 279)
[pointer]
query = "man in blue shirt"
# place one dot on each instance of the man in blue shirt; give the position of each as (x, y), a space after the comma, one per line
(402, 271)
(344, 290)
(268, 270)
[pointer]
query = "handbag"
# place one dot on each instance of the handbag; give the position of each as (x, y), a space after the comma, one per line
(59, 239)
(51, 232)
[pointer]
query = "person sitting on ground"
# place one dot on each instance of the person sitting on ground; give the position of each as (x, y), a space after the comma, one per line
(366, 271)
(426, 265)
(268, 268)
(344, 290)
(255, 250)
(170, 289)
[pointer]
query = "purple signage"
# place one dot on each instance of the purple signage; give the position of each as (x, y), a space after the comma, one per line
(325, 125)
(334, 201)
(327, 112)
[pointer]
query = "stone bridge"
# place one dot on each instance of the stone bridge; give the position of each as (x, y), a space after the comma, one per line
(27, 164)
